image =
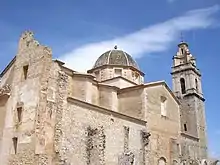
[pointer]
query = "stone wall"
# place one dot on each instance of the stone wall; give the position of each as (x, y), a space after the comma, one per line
(188, 116)
(202, 129)
(80, 87)
(163, 129)
(189, 150)
(93, 135)
(131, 102)
(86, 89)
(108, 97)
(193, 115)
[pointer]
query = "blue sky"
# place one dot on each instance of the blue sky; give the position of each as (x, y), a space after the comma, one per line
(79, 31)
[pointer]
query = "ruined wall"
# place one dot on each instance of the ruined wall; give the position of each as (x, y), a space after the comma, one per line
(47, 115)
(20, 134)
(163, 129)
(132, 103)
(92, 135)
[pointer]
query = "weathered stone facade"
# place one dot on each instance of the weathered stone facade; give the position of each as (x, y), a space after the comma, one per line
(53, 115)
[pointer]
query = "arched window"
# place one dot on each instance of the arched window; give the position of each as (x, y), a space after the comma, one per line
(182, 51)
(196, 82)
(183, 85)
(162, 161)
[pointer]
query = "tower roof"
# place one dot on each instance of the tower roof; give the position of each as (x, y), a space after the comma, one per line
(183, 43)
(115, 57)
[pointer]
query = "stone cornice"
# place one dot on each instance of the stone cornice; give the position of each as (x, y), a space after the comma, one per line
(108, 86)
(84, 75)
(105, 111)
(185, 67)
(194, 94)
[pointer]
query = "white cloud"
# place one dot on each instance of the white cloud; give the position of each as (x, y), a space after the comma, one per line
(155, 38)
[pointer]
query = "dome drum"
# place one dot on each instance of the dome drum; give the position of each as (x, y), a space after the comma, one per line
(116, 58)
(115, 66)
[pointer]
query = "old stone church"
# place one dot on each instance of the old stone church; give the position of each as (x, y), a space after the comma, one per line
(52, 115)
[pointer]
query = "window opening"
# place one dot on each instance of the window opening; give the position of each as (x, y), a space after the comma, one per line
(15, 143)
(19, 113)
(196, 82)
(185, 127)
(25, 71)
(182, 51)
(118, 72)
(183, 85)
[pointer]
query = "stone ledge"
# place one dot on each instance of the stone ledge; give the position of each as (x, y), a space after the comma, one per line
(194, 94)
(188, 68)
(189, 136)
(106, 111)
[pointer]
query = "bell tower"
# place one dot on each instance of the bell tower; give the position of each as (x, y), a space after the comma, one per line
(187, 87)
